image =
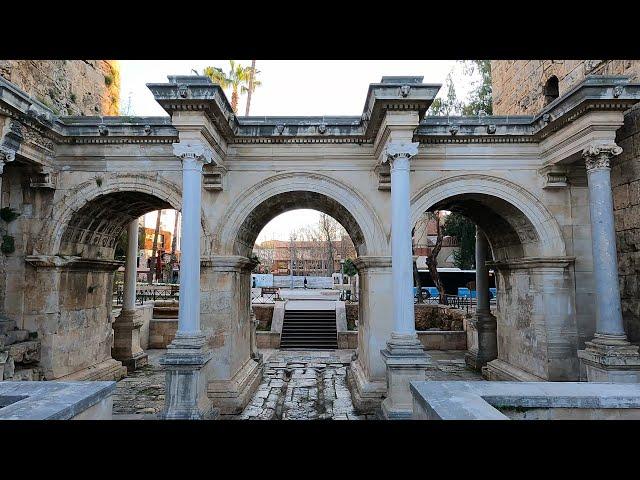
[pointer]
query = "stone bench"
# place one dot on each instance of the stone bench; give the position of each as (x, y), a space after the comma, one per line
(56, 400)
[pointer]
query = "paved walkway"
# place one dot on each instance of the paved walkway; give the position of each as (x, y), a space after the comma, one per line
(303, 385)
(297, 385)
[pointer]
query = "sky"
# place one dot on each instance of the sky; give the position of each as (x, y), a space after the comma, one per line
(289, 87)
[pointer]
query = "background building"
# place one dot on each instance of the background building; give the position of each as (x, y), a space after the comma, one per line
(310, 258)
(524, 87)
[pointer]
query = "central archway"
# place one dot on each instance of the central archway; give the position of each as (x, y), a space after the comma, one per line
(264, 201)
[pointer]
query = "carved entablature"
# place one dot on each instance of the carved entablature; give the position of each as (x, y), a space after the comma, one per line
(214, 177)
(554, 176)
(45, 178)
(383, 171)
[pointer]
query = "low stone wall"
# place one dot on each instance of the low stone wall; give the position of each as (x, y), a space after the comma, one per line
(436, 400)
(162, 331)
(264, 315)
(352, 315)
(147, 315)
(164, 324)
(348, 339)
(268, 339)
(441, 317)
(443, 340)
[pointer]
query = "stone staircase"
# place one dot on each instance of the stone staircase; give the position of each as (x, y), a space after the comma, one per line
(309, 330)
(19, 353)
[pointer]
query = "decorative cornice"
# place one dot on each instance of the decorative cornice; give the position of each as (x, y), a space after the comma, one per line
(367, 262)
(72, 262)
(598, 156)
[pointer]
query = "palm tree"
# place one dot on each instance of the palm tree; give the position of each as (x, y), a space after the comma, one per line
(238, 78)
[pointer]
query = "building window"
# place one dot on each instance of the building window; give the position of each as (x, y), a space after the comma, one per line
(551, 90)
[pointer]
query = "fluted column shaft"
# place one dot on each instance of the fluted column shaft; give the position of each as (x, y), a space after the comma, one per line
(482, 273)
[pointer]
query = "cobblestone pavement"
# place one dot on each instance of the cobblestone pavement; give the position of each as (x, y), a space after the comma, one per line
(140, 395)
(297, 385)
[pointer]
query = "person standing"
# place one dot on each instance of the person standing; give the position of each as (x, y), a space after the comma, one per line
(305, 282)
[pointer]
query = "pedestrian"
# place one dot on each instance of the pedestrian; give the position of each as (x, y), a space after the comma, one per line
(305, 282)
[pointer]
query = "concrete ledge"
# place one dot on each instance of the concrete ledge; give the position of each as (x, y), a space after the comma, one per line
(524, 400)
(56, 400)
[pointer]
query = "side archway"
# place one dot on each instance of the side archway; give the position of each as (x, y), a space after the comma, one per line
(514, 220)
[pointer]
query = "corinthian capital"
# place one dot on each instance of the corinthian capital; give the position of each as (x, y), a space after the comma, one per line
(399, 151)
(193, 152)
(599, 155)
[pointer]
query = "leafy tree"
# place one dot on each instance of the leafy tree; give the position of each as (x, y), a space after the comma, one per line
(349, 268)
(480, 99)
(464, 230)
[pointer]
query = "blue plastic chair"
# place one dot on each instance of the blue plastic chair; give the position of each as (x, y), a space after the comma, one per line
(464, 292)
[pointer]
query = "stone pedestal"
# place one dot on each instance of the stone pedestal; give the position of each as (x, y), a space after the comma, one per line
(367, 373)
(617, 362)
(126, 340)
(481, 340)
(186, 381)
(406, 362)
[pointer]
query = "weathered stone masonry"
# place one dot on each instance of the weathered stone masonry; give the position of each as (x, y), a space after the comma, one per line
(518, 88)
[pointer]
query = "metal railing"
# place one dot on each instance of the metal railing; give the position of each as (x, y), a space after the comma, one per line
(144, 294)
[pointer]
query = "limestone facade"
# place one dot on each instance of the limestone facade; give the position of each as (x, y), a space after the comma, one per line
(77, 182)
(518, 89)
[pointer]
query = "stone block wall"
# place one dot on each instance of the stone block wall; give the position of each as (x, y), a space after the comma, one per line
(518, 89)
(68, 87)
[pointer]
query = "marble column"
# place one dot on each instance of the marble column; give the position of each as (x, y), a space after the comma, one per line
(187, 356)
(405, 357)
(608, 357)
(126, 327)
(482, 328)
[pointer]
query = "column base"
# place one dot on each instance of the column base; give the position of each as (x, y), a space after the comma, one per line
(231, 396)
(406, 361)
(126, 340)
(482, 340)
(106, 370)
(185, 391)
(366, 395)
(501, 371)
(610, 359)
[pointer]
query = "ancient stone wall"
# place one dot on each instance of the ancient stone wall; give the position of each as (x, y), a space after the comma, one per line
(518, 85)
(68, 87)
(518, 89)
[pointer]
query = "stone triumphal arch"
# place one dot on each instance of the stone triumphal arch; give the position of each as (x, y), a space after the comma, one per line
(532, 184)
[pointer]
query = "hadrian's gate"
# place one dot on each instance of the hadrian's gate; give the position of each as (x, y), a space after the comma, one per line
(79, 181)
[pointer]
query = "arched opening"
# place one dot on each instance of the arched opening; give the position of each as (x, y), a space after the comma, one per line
(91, 251)
(535, 291)
(280, 203)
(551, 90)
